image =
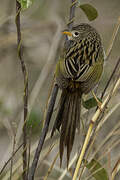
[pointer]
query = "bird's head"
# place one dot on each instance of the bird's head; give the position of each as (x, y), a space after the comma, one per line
(79, 32)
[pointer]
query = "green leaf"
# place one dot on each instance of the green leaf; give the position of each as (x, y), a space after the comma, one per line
(90, 11)
(97, 171)
(90, 103)
(35, 121)
(25, 4)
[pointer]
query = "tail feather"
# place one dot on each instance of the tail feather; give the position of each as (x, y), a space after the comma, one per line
(72, 128)
(65, 140)
(58, 120)
(64, 127)
(68, 118)
(69, 133)
(78, 111)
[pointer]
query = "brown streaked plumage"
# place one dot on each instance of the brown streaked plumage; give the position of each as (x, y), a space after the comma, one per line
(77, 72)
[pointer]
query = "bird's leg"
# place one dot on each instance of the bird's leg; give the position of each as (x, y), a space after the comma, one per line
(97, 100)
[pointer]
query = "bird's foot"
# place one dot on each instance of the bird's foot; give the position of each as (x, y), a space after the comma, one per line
(98, 101)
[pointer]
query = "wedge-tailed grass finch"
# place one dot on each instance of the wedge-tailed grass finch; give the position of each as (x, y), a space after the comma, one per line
(77, 72)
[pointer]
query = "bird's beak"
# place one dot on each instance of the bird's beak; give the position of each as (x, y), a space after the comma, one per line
(67, 33)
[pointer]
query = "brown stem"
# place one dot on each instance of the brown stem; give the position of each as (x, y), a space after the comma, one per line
(10, 158)
(25, 76)
(11, 166)
(29, 147)
(43, 133)
(114, 71)
(72, 14)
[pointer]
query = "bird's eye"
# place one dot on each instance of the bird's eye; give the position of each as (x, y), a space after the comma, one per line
(76, 34)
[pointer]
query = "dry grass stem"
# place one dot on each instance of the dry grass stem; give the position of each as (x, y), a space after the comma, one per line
(51, 167)
(93, 120)
(95, 135)
(104, 155)
(113, 39)
(106, 139)
(116, 169)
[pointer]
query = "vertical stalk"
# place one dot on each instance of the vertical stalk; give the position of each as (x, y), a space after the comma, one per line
(43, 133)
(72, 14)
(25, 76)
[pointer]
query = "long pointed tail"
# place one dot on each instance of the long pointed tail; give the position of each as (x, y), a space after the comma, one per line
(67, 120)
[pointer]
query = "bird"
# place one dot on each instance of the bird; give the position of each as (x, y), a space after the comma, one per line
(77, 72)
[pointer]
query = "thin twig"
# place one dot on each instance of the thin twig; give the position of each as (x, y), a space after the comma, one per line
(29, 147)
(106, 150)
(94, 119)
(72, 14)
(112, 74)
(114, 71)
(57, 168)
(51, 167)
(43, 133)
(106, 139)
(95, 132)
(116, 169)
(107, 54)
(112, 145)
(11, 166)
(19, 162)
(98, 129)
(25, 76)
(112, 39)
(10, 158)
(49, 151)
